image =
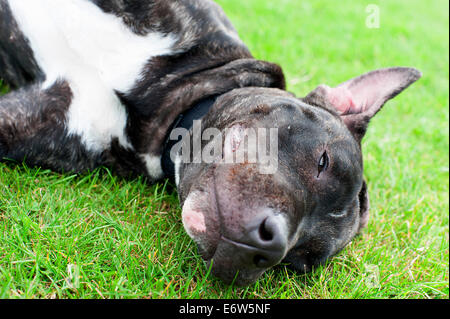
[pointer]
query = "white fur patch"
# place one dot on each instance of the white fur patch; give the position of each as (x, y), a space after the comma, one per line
(96, 53)
(153, 165)
(177, 169)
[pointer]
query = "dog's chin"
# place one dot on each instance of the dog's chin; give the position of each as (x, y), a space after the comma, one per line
(226, 264)
(229, 275)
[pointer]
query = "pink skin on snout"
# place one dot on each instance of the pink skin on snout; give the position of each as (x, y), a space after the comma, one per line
(193, 219)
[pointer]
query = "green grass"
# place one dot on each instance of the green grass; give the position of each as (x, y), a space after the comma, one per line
(99, 236)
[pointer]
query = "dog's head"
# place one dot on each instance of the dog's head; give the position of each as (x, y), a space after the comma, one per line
(312, 202)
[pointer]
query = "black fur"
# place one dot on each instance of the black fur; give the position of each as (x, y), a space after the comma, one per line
(32, 129)
(18, 66)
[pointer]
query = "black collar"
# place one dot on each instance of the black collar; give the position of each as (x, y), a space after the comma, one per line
(184, 120)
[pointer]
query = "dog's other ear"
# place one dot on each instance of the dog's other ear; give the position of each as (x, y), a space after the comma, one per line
(184, 88)
(359, 99)
(165, 98)
(236, 74)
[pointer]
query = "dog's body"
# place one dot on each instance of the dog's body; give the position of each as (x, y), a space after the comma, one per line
(122, 73)
(103, 83)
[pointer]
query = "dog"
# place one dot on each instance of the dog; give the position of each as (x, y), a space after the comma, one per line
(104, 83)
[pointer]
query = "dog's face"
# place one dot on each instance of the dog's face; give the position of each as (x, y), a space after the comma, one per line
(310, 207)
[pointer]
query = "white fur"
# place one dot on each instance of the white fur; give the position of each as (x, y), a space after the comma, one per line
(96, 53)
(177, 169)
(153, 165)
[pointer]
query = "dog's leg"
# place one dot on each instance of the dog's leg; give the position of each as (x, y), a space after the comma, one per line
(33, 129)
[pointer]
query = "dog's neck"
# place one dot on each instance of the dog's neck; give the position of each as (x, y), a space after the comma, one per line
(184, 120)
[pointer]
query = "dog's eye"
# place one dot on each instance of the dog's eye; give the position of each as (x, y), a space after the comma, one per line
(323, 163)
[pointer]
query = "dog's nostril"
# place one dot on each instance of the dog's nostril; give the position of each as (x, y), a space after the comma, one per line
(265, 233)
(264, 244)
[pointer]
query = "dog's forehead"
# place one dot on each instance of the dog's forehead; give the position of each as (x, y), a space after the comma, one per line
(307, 131)
(267, 100)
(295, 113)
(293, 118)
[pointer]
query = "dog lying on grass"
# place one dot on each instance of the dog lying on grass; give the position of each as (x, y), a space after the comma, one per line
(166, 89)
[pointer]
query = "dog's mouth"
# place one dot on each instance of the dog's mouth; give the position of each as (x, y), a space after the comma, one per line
(238, 250)
(215, 249)
(227, 264)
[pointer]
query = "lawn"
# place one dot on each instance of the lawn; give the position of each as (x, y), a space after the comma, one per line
(100, 236)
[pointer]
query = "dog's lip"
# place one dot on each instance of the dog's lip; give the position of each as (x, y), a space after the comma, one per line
(234, 242)
(228, 240)
(237, 243)
(238, 279)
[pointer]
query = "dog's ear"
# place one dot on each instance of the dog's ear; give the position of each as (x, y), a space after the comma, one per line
(359, 99)
(215, 81)
(172, 95)
(185, 87)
